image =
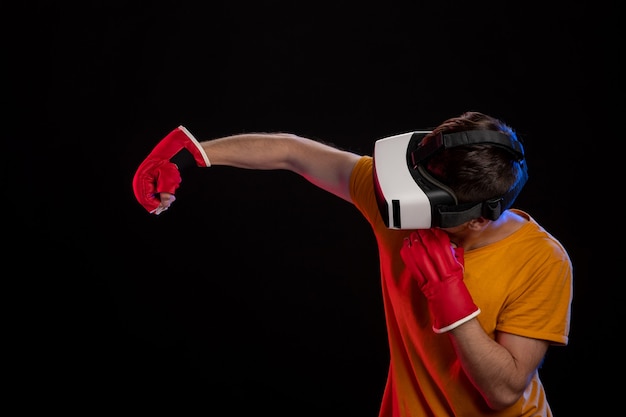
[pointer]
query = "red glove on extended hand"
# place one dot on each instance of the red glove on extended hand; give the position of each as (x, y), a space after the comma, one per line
(159, 172)
(438, 268)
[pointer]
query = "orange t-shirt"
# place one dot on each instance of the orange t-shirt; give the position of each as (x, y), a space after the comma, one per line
(522, 285)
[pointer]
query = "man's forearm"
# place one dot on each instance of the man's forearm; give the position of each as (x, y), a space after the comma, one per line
(253, 150)
(490, 366)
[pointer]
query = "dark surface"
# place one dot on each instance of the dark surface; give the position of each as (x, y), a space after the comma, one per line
(258, 293)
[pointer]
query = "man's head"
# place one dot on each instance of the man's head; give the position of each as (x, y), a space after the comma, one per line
(469, 166)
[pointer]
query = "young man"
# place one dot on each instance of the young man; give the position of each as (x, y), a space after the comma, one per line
(474, 291)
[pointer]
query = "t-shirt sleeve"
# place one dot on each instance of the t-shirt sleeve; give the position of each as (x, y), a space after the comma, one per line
(362, 189)
(540, 308)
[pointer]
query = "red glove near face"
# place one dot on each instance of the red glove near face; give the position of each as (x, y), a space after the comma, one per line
(438, 268)
(159, 172)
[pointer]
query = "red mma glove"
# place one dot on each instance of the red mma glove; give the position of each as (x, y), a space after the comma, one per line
(159, 172)
(438, 267)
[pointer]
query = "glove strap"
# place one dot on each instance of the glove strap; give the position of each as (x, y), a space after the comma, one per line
(456, 323)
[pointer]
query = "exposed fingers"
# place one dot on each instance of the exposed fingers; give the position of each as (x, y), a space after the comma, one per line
(166, 201)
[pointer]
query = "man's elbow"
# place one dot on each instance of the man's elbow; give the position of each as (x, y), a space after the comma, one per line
(502, 398)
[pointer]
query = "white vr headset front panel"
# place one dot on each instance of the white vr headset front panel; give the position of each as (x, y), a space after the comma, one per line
(408, 207)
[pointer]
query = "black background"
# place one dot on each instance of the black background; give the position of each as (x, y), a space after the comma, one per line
(257, 292)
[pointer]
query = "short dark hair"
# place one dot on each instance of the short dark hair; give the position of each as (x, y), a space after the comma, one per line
(477, 172)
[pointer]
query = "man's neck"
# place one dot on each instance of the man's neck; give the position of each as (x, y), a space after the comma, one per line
(491, 231)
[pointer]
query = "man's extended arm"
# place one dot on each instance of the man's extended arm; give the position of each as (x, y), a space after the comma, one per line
(158, 176)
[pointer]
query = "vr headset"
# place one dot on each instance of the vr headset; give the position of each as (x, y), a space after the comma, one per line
(410, 198)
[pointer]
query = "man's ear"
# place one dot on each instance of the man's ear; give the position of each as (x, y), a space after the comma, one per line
(478, 223)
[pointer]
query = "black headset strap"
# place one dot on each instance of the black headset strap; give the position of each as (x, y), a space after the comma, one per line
(467, 137)
(470, 137)
(491, 209)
